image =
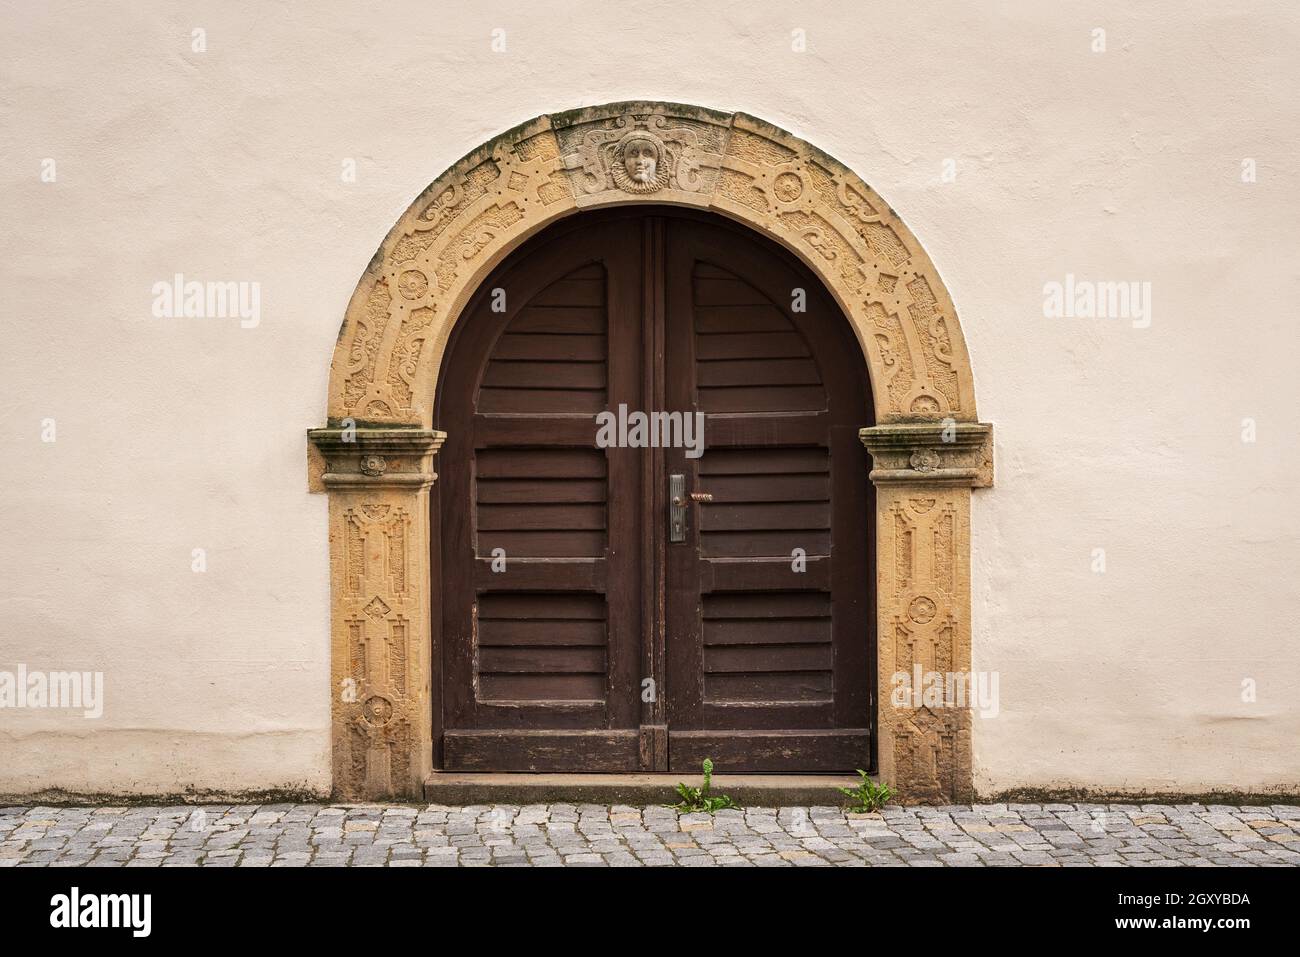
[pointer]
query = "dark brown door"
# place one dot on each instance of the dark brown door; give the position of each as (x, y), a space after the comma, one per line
(642, 607)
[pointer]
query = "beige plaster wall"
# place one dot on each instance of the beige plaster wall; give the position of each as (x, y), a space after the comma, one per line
(176, 434)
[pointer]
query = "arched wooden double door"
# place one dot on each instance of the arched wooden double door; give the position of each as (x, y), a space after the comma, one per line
(630, 606)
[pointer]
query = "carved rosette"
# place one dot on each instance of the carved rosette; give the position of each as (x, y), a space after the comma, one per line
(379, 520)
(407, 302)
(923, 474)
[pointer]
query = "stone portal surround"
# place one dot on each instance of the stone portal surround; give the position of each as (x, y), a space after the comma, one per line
(374, 457)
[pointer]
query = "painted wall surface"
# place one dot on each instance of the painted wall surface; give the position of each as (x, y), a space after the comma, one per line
(1119, 440)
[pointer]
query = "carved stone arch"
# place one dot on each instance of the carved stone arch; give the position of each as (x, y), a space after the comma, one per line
(375, 454)
(461, 226)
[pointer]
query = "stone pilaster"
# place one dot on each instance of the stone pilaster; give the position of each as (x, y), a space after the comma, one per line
(378, 482)
(924, 473)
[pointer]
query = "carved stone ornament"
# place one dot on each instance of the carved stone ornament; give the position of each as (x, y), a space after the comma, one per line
(375, 458)
(638, 155)
(386, 364)
(939, 453)
(924, 460)
(378, 710)
(922, 610)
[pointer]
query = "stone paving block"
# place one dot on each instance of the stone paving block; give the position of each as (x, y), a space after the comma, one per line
(1084, 835)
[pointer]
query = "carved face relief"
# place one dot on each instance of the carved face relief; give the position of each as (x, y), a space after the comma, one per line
(641, 160)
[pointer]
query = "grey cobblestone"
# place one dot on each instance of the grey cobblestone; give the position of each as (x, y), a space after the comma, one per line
(289, 835)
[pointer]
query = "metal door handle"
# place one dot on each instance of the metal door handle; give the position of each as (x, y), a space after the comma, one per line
(677, 507)
(677, 499)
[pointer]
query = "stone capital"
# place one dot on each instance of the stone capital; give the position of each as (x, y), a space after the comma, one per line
(373, 457)
(931, 453)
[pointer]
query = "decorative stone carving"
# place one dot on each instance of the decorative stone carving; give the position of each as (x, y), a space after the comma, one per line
(379, 542)
(924, 473)
(924, 460)
(384, 377)
(403, 310)
(413, 284)
(921, 610)
(938, 453)
(636, 165)
(641, 153)
(376, 457)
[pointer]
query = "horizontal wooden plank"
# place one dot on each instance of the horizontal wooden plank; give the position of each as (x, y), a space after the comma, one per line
(544, 375)
(575, 291)
(582, 544)
(541, 631)
(707, 270)
(540, 660)
(565, 431)
(753, 631)
(761, 398)
(597, 750)
(812, 487)
(765, 429)
(580, 715)
(718, 291)
(561, 320)
(767, 605)
(542, 574)
(583, 687)
(532, 401)
(750, 345)
(755, 574)
(762, 516)
(740, 716)
(762, 659)
(743, 318)
(773, 544)
(764, 461)
(544, 347)
(528, 605)
(754, 372)
(775, 751)
(792, 686)
(541, 463)
(540, 491)
(537, 517)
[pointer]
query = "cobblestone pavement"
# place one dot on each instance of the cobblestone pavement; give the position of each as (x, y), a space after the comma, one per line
(1148, 835)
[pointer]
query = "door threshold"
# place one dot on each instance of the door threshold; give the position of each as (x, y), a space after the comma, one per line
(640, 789)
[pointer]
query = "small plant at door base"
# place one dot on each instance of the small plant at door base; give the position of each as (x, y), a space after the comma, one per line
(699, 799)
(868, 796)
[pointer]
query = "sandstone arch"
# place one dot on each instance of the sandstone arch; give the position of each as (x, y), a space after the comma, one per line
(403, 309)
(375, 455)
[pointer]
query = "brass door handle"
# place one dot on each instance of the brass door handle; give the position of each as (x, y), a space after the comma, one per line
(701, 496)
